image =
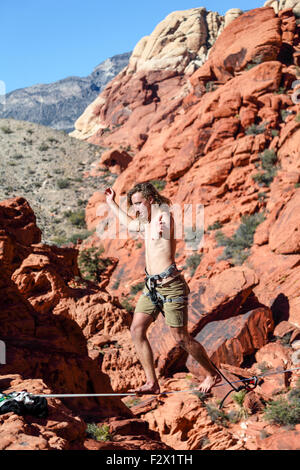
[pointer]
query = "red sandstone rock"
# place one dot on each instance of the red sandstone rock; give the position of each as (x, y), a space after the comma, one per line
(254, 35)
(230, 340)
(183, 423)
(60, 431)
(284, 234)
(115, 160)
(216, 299)
(35, 339)
(283, 440)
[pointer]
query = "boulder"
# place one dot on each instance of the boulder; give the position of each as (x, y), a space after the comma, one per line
(284, 235)
(230, 341)
(214, 300)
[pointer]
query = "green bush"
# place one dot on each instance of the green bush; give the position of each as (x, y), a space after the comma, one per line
(238, 246)
(281, 91)
(137, 288)
(211, 86)
(216, 415)
(76, 218)
(127, 305)
(18, 156)
(255, 129)
(116, 284)
(91, 264)
(255, 61)
(43, 147)
(215, 226)
(285, 411)
(193, 262)
(158, 184)
(63, 183)
(6, 130)
(99, 433)
(133, 402)
(52, 140)
(268, 161)
(80, 236)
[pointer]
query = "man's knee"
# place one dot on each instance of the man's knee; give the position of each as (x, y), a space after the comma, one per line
(139, 326)
(136, 330)
(181, 337)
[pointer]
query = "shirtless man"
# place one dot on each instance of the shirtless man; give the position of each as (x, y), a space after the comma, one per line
(156, 226)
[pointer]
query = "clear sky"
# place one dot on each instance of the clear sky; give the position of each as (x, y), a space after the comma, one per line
(47, 40)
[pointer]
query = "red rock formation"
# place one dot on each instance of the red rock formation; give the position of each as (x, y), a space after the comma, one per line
(45, 348)
(193, 132)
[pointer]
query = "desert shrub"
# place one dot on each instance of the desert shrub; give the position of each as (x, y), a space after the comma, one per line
(216, 415)
(76, 218)
(215, 226)
(255, 129)
(158, 184)
(255, 61)
(268, 165)
(133, 402)
(99, 433)
(43, 147)
(262, 196)
(63, 183)
(91, 264)
(116, 284)
(127, 305)
(281, 91)
(18, 156)
(210, 86)
(238, 246)
(297, 118)
(80, 236)
(193, 262)
(6, 130)
(285, 411)
(284, 113)
(137, 288)
(52, 140)
(238, 398)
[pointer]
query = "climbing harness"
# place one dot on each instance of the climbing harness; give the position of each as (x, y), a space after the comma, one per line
(156, 297)
(23, 403)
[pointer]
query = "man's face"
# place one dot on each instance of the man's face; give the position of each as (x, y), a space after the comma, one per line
(141, 206)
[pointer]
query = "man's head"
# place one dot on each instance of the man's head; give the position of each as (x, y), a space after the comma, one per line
(142, 196)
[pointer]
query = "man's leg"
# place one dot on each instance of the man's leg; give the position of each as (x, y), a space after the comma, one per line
(195, 349)
(141, 322)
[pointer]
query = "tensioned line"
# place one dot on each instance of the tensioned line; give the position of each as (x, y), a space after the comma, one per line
(81, 395)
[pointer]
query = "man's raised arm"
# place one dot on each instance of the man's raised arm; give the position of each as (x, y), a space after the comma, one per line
(133, 225)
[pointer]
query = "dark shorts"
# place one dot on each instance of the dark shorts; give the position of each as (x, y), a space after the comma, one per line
(175, 312)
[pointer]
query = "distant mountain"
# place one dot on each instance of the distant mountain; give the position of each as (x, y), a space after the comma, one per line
(59, 104)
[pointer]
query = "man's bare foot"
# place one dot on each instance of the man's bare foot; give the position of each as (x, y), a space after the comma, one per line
(209, 382)
(147, 389)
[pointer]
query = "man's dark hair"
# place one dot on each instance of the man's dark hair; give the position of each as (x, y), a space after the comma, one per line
(148, 190)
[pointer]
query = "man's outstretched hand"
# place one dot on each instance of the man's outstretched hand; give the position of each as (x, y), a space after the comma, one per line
(110, 195)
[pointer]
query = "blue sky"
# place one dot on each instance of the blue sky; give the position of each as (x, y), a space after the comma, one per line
(44, 41)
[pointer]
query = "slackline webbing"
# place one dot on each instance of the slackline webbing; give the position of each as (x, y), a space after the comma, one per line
(90, 395)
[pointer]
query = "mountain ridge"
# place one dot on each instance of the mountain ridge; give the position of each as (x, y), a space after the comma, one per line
(60, 103)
